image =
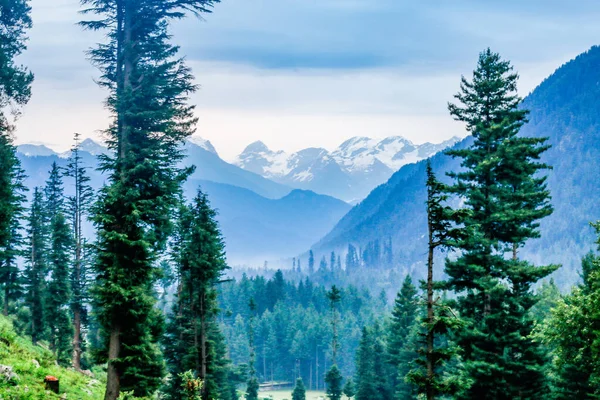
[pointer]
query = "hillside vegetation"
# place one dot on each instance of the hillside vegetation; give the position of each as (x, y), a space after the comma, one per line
(23, 367)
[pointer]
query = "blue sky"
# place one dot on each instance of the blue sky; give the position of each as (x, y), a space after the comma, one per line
(300, 73)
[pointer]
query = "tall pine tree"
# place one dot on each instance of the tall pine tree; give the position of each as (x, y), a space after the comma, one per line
(433, 349)
(193, 330)
(504, 196)
(148, 89)
(78, 206)
(399, 354)
(36, 267)
(58, 296)
(15, 91)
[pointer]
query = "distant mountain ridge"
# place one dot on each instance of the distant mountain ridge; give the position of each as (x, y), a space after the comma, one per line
(349, 172)
(259, 219)
(565, 108)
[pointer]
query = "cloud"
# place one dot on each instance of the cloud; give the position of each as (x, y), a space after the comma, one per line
(299, 73)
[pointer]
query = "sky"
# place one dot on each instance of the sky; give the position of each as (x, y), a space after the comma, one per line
(311, 73)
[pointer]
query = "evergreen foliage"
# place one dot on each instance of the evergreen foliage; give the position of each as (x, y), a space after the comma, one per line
(334, 383)
(36, 268)
(193, 342)
(349, 389)
(505, 196)
(573, 333)
(372, 381)
(78, 208)
(434, 352)
(58, 295)
(398, 349)
(299, 392)
(148, 88)
(15, 91)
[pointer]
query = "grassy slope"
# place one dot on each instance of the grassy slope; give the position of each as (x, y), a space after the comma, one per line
(19, 353)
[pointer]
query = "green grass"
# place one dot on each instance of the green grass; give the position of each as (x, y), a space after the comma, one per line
(19, 353)
(287, 395)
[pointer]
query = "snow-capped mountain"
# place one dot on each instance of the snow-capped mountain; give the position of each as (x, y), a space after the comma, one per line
(35, 150)
(349, 172)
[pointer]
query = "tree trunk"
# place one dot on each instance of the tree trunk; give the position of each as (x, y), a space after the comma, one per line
(77, 339)
(6, 295)
(113, 384)
(430, 319)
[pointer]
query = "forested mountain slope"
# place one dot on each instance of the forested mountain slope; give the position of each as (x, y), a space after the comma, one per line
(566, 108)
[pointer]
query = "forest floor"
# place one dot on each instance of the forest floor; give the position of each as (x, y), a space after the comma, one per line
(287, 395)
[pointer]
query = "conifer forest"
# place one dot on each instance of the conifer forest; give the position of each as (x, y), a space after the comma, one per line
(140, 264)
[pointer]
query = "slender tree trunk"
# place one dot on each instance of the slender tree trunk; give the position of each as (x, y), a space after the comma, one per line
(430, 319)
(113, 384)
(514, 251)
(123, 71)
(77, 340)
(6, 295)
(203, 371)
(310, 376)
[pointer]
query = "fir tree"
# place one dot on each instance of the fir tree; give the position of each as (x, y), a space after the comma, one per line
(10, 274)
(252, 385)
(333, 378)
(398, 352)
(148, 88)
(371, 375)
(299, 392)
(15, 91)
(349, 389)
(439, 318)
(194, 341)
(352, 261)
(78, 206)
(573, 334)
(58, 296)
(333, 381)
(36, 267)
(311, 262)
(504, 197)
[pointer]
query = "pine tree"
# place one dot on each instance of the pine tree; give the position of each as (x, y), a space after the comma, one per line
(371, 376)
(148, 88)
(398, 350)
(15, 91)
(13, 247)
(333, 378)
(333, 381)
(252, 385)
(58, 295)
(428, 371)
(311, 262)
(349, 389)
(504, 197)
(36, 267)
(194, 341)
(352, 261)
(573, 332)
(299, 392)
(78, 208)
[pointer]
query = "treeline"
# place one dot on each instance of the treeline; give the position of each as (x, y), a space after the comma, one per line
(292, 326)
(95, 303)
(491, 338)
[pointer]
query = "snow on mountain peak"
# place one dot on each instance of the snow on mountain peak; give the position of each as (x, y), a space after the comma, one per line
(35, 150)
(203, 143)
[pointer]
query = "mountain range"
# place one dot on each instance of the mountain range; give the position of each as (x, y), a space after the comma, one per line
(349, 172)
(565, 107)
(260, 219)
